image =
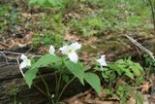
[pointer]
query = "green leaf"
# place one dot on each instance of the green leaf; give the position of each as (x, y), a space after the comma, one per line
(48, 3)
(55, 3)
(42, 62)
(65, 78)
(139, 98)
(108, 75)
(76, 69)
(46, 60)
(30, 75)
(94, 81)
(129, 74)
(137, 69)
(32, 1)
(41, 2)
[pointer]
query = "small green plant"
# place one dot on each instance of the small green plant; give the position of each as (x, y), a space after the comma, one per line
(50, 3)
(45, 40)
(125, 91)
(63, 66)
(123, 69)
(149, 65)
(149, 62)
(7, 11)
(88, 26)
(119, 75)
(123, 74)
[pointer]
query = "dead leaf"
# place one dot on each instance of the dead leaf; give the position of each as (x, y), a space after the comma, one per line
(70, 37)
(145, 87)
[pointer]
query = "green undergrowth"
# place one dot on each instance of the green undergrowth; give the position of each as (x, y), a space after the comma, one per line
(92, 18)
(80, 17)
(8, 18)
(46, 39)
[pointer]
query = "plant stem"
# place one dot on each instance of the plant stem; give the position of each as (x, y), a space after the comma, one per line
(153, 12)
(64, 88)
(15, 100)
(46, 87)
(58, 84)
(40, 90)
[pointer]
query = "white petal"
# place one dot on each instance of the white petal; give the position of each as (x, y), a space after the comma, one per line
(65, 49)
(52, 50)
(73, 57)
(25, 62)
(23, 57)
(75, 46)
(23, 65)
(103, 57)
(28, 63)
(102, 61)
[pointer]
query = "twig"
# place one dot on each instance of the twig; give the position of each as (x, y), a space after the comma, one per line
(10, 52)
(3, 64)
(140, 46)
(77, 96)
(3, 44)
(146, 51)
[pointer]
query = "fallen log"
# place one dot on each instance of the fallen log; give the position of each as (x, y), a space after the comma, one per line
(13, 87)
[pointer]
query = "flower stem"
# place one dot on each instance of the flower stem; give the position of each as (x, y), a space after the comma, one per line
(46, 87)
(64, 88)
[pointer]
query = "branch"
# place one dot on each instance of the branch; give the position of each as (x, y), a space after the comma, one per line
(140, 47)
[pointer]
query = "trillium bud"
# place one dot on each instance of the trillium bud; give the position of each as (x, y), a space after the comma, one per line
(102, 61)
(52, 50)
(25, 62)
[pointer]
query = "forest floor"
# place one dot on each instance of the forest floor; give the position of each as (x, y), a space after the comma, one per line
(31, 30)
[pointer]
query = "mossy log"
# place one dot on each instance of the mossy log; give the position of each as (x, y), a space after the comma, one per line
(13, 89)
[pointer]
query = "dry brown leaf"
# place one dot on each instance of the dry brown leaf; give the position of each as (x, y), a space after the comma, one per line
(42, 49)
(14, 42)
(145, 87)
(26, 15)
(131, 101)
(70, 37)
(91, 40)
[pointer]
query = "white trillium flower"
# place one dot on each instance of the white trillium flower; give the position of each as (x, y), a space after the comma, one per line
(70, 51)
(102, 61)
(73, 57)
(52, 50)
(75, 46)
(65, 49)
(25, 62)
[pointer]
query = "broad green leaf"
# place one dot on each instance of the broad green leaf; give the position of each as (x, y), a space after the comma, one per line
(94, 81)
(46, 60)
(43, 61)
(76, 69)
(30, 75)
